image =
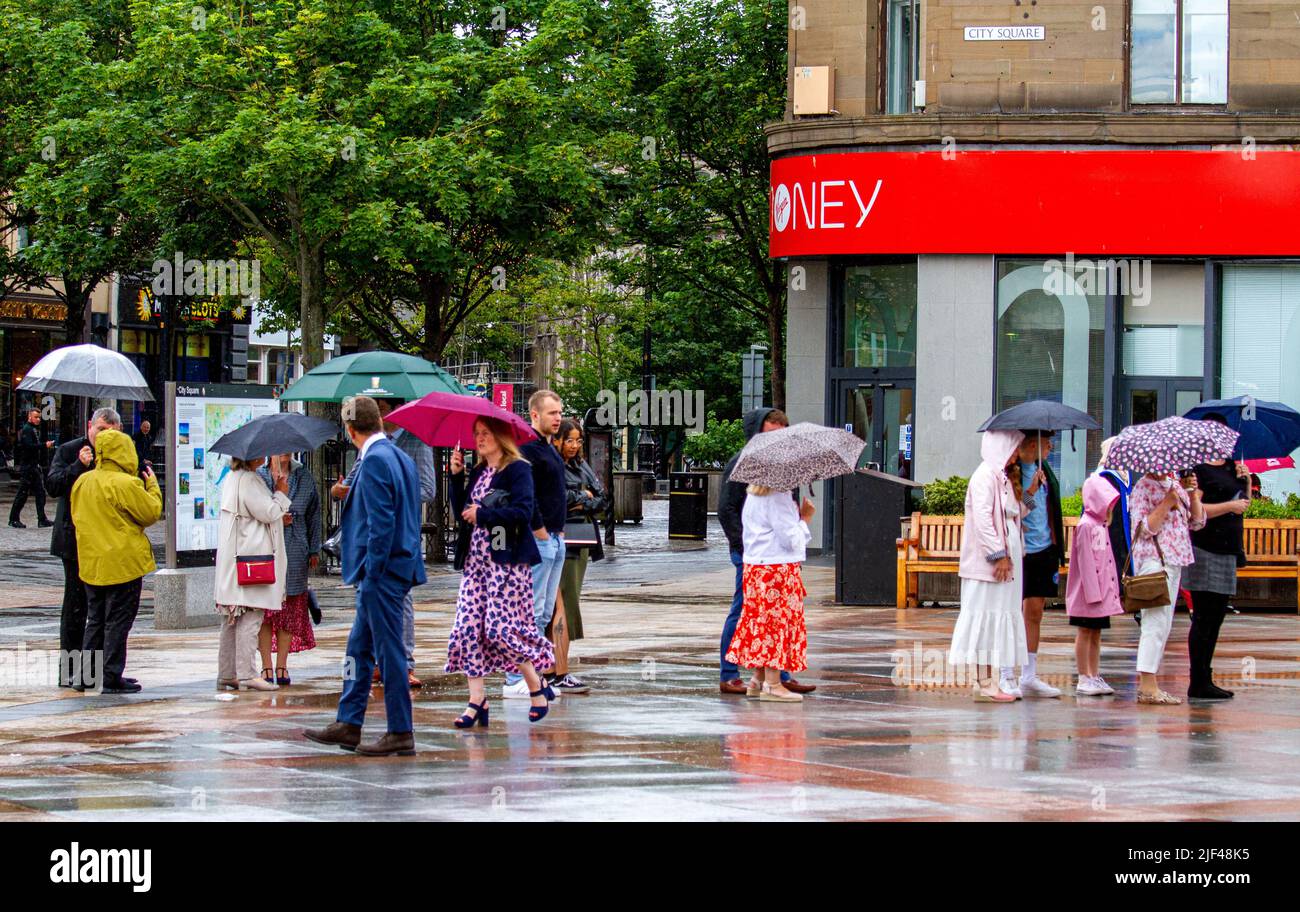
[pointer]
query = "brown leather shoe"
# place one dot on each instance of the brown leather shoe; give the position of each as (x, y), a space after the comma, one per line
(734, 687)
(341, 733)
(412, 681)
(795, 687)
(391, 743)
(376, 678)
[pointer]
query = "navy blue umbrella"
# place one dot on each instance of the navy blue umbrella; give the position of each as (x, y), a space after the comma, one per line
(1267, 429)
(282, 432)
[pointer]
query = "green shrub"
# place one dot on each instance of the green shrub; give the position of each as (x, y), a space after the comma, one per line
(718, 442)
(1263, 509)
(945, 497)
(1072, 505)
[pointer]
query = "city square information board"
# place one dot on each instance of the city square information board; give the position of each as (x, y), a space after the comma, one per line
(198, 414)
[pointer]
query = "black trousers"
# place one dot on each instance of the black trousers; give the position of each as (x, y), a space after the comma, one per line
(1208, 611)
(72, 620)
(110, 612)
(29, 480)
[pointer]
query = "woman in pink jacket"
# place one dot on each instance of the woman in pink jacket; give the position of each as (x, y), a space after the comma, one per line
(990, 630)
(1092, 588)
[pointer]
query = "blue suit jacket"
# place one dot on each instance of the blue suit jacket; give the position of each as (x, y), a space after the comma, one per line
(381, 519)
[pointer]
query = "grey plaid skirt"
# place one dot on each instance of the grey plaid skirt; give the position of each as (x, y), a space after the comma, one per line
(1211, 573)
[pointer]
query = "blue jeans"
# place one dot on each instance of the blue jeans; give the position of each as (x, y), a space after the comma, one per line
(729, 671)
(546, 583)
(377, 633)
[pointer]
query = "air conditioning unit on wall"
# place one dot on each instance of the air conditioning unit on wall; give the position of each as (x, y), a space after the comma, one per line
(814, 90)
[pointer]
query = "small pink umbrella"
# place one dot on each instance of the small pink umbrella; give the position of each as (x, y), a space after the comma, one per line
(1256, 466)
(447, 419)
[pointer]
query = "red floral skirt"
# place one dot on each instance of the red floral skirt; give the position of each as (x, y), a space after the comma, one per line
(771, 632)
(294, 618)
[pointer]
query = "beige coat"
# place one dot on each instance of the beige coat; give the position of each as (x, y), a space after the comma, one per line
(258, 529)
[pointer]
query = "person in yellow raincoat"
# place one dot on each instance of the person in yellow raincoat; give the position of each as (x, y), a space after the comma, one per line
(111, 506)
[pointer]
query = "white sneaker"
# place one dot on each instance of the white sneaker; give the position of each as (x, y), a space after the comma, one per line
(1035, 687)
(1106, 689)
(1010, 687)
(515, 691)
(1088, 687)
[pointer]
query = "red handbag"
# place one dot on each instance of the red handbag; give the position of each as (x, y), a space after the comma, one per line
(255, 570)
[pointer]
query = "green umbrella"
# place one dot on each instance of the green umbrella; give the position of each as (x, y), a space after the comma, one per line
(385, 375)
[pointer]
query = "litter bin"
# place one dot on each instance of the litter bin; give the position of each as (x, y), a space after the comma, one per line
(868, 505)
(627, 497)
(688, 505)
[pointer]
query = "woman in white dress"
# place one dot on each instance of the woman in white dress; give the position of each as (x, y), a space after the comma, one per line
(990, 630)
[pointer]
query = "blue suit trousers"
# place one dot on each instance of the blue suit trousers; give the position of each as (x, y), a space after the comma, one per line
(377, 634)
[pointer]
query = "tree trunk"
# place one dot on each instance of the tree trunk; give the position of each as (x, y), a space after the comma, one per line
(311, 313)
(776, 342)
(76, 298)
(435, 290)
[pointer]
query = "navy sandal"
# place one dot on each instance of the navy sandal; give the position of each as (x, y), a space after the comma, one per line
(480, 716)
(538, 713)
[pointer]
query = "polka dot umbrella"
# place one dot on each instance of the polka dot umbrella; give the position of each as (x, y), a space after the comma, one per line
(1170, 445)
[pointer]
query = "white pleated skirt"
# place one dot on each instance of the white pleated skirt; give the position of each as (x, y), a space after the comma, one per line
(990, 628)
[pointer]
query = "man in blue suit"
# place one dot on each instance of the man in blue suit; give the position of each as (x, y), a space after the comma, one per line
(381, 557)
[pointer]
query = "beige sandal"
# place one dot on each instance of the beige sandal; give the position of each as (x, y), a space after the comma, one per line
(753, 689)
(771, 696)
(1159, 698)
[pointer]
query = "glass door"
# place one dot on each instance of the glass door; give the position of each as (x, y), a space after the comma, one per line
(1147, 399)
(881, 413)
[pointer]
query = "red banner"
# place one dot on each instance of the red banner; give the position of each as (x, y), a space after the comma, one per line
(1130, 203)
(503, 394)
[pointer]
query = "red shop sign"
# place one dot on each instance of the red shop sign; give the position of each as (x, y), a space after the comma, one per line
(1151, 203)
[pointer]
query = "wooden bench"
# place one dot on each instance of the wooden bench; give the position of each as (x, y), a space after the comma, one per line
(933, 545)
(1272, 551)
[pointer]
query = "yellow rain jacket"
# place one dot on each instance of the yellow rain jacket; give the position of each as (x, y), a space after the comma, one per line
(111, 508)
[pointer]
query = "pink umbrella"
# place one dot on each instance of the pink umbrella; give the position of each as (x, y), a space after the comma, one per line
(447, 419)
(1256, 466)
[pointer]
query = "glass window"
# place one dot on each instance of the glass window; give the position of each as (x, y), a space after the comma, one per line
(1154, 53)
(1205, 52)
(1051, 345)
(880, 315)
(1164, 322)
(1259, 333)
(1179, 52)
(902, 51)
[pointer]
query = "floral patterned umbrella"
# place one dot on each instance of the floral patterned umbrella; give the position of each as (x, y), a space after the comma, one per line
(790, 457)
(1170, 445)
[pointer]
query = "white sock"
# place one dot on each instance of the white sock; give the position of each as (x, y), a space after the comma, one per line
(1031, 668)
(1009, 673)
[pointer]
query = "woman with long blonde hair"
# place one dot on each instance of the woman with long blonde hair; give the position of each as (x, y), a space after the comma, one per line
(494, 628)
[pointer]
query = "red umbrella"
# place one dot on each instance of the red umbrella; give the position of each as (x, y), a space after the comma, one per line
(1256, 466)
(447, 419)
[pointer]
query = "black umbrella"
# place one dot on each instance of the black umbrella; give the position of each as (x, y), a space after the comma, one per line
(282, 432)
(1041, 415)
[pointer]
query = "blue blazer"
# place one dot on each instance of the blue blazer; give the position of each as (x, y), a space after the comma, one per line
(515, 516)
(381, 519)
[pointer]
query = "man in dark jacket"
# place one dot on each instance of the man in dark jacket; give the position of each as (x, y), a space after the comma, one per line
(731, 502)
(549, 513)
(27, 457)
(71, 460)
(143, 440)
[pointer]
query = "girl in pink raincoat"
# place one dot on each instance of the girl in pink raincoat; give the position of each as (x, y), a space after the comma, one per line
(1092, 588)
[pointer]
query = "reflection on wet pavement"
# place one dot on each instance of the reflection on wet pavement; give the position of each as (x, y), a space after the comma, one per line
(655, 740)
